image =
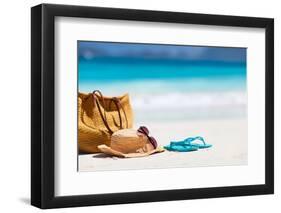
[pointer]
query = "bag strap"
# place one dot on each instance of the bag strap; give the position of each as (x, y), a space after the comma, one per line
(119, 106)
(103, 116)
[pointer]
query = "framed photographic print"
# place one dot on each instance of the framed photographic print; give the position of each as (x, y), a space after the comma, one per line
(139, 106)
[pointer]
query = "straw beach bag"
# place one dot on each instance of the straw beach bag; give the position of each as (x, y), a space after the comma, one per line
(99, 117)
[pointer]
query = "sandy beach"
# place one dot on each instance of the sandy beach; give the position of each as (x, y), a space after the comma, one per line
(228, 137)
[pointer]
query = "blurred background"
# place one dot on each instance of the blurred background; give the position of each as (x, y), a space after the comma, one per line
(167, 82)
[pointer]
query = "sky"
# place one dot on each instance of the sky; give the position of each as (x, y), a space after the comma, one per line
(89, 50)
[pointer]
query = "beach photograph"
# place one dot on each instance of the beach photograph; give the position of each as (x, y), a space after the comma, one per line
(159, 106)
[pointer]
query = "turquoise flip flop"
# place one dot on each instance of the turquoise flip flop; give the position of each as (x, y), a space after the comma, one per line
(202, 145)
(181, 147)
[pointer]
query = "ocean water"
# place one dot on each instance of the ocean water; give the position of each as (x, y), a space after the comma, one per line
(170, 90)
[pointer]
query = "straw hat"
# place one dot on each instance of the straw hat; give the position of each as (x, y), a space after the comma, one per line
(130, 143)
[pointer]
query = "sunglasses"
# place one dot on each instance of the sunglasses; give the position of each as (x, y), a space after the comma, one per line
(151, 139)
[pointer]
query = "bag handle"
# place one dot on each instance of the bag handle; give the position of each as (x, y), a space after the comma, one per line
(118, 105)
(103, 116)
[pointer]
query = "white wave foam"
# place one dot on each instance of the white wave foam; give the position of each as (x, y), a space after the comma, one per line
(190, 100)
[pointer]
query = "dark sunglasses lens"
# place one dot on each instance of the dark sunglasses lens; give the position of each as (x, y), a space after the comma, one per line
(153, 142)
(145, 130)
(140, 130)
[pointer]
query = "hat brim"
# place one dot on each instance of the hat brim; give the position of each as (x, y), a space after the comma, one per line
(107, 150)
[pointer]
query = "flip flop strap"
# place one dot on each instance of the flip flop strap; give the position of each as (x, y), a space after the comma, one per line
(189, 140)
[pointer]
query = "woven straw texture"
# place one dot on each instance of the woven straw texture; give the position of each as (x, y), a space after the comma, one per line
(128, 141)
(91, 128)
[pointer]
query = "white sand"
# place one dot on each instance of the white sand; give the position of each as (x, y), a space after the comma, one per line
(228, 137)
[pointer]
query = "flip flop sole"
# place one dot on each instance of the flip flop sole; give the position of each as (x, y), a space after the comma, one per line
(181, 148)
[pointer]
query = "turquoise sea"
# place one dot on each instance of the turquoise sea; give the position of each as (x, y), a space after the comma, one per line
(169, 89)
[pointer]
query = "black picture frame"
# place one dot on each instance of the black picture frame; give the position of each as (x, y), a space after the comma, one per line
(43, 102)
